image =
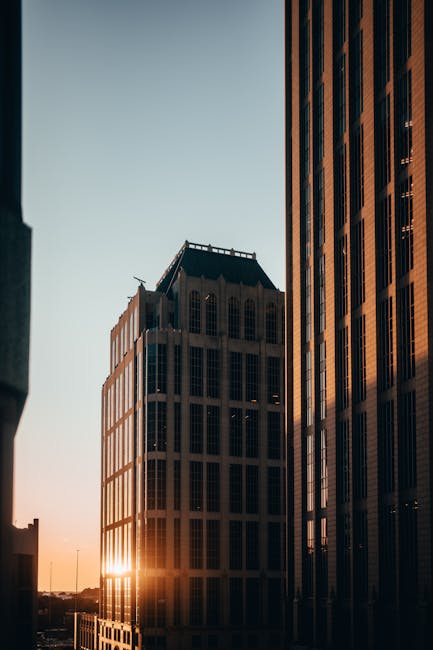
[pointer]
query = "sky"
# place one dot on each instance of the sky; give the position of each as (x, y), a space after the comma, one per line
(145, 123)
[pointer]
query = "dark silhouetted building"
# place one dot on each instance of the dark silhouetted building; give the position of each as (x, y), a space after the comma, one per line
(192, 515)
(14, 293)
(360, 305)
(24, 588)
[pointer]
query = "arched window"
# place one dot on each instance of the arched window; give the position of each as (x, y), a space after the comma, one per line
(211, 315)
(250, 320)
(271, 323)
(194, 312)
(234, 320)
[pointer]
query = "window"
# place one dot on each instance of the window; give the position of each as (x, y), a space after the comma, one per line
(155, 603)
(196, 601)
(213, 429)
(340, 23)
(250, 320)
(235, 487)
(156, 543)
(409, 551)
(274, 437)
(234, 318)
(196, 371)
(273, 372)
(235, 432)
(235, 391)
(213, 544)
(359, 360)
(305, 56)
(308, 389)
(274, 546)
(403, 15)
(360, 455)
(343, 471)
(213, 373)
(320, 206)
(385, 361)
(251, 434)
(341, 273)
(236, 601)
(322, 294)
(342, 368)
(196, 485)
(194, 312)
(382, 42)
(176, 484)
(177, 369)
(177, 426)
(307, 303)
(360, 554)
(404, 119)
(357, 170)
(275, 599)
(384, 242)
(213, 487)
(196, 428)
(383, 153)
(156, 484)
(386, 447)
(405, 224)
(235, 542)
(211, 315)
(340, 187)
(176, 603)
(252, 489)
(322, 379)
(310, 472)
(196, 543)
(252, 377)
(356, 75)
(340, 94)
(252, 604)
(274, 491)
(406, 337)
(271, 323)
(407, 473)
(156, 426)
(319, 114)
(176, 543)
(213, 599)
(308, 576)
(318, 38)
(252, 545)
(343, 552)
(306, 220)
(358, 259)
(323, 469)
(387, 557)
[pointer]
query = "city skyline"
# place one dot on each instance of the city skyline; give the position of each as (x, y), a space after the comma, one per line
(107, 127)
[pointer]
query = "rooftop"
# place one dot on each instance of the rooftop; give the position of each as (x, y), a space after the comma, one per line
(211, 262)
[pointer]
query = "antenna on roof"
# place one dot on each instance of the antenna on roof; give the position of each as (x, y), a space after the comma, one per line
(142, 282)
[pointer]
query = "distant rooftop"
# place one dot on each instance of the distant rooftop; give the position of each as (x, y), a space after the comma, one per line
(211, 262)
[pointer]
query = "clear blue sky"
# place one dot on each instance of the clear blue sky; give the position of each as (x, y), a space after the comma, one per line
(145, 123)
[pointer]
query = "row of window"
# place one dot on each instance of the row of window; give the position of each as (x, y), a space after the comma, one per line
(205, 544)
(246, 604)
(233, 318)
(244, 487)
(243, 430)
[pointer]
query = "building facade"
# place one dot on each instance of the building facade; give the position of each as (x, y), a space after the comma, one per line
(360, 300)
(192, 521)
(15, 240)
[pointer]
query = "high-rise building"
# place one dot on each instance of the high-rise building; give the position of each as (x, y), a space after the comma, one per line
(14, 298)
(360, 336)
(192, 521)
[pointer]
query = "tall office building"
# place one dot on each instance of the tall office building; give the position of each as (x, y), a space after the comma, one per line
(192, 522)
(360, 287)
(14, 299)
